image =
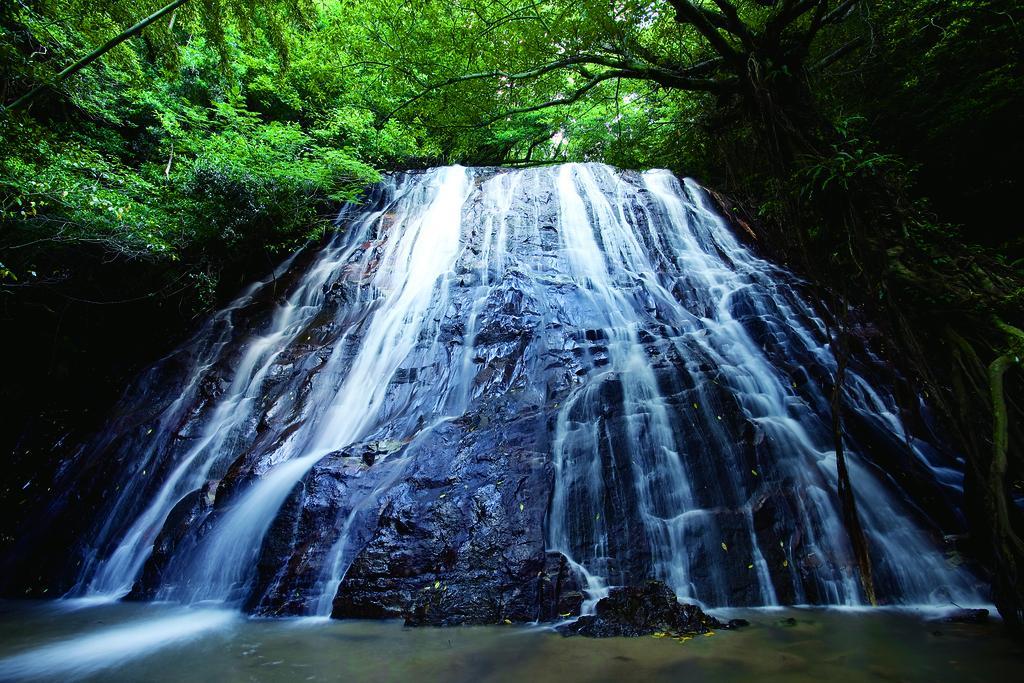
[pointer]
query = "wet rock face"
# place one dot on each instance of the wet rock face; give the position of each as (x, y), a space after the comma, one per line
(641, 611)
(600, 385)
(460, 538)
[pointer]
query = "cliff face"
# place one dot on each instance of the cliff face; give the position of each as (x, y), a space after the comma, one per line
(494, 396)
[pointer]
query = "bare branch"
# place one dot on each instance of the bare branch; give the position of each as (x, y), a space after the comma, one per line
(823, 17)
(838, 54)
(790, 12)
(841, 12)
(96, 54)
(699, 69)
(688, 13)
(734, 24)
(816, 22)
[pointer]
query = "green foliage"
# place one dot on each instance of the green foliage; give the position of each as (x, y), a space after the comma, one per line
(194, 145)
(241, 123)
(848, 162)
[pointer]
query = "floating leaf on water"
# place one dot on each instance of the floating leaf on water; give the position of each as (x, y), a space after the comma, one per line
(442, 495)
(521, 507)
(709, 634)
(785, 563)
(567, 614)
(437, 584)
(508, 621)
(694, 405)
(659, 634)
(750, 566)
(724, 546)
(754, 472)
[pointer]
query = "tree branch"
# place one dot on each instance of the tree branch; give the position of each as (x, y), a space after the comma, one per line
(838, 54)
(689, 78)
(523, 75)
(568, 99)
(663, 79)
(841, 12)
(699, 69)
(790, 12)
(96, 54)
(823, 17)
(688, 13)
(734, 24)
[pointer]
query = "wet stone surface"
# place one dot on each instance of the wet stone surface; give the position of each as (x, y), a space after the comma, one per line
(642, 611)
(493, 395)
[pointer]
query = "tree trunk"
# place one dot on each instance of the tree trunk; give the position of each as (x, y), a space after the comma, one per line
(1008, 549)
(847, 500)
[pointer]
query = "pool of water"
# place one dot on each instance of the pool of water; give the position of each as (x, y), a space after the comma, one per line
(141, 642)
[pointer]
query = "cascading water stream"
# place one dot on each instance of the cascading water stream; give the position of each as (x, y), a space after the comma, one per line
(660, 482)
(682, 383)
(114, 576)
(421, 251)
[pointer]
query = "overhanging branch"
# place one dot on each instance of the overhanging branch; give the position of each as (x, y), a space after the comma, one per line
(688, 13)
(838, 54)
(96, 54)
(689, 78)
(572, 98)
(733, 23)
(596, 60)
(668, 80)
(790, 12)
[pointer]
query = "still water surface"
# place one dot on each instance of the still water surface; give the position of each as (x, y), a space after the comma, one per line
(138, 642)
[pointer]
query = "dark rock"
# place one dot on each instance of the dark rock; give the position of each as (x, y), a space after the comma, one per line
(443, 521)
(641, 611)
(967, 616)
(457, 540)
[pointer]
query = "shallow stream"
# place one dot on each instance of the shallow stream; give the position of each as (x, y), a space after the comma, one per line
(144, 642)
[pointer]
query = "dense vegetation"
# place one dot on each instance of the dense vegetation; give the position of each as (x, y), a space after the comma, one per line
(871, 144)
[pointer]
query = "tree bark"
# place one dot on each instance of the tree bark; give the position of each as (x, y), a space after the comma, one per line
(847, 500)
(1007, 546)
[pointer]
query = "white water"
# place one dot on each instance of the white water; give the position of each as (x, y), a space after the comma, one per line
(110, 647)
(690, 447)
(420, 252)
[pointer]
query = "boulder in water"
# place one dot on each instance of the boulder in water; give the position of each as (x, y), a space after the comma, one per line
(640, 611)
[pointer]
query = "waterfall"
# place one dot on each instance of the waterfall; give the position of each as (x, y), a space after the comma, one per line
(681, 383)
